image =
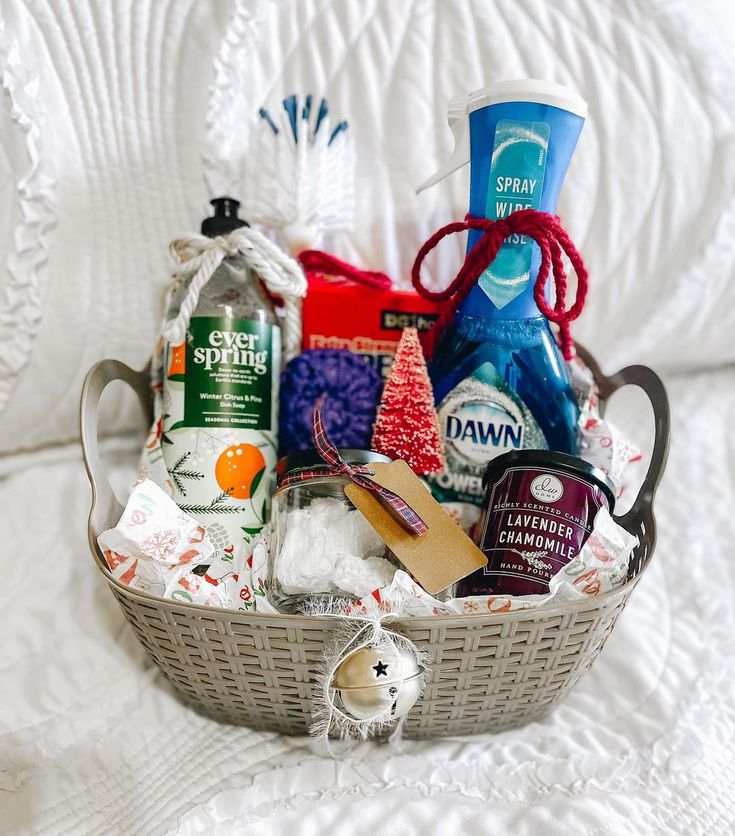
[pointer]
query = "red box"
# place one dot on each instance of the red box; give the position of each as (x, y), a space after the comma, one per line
(338, 313)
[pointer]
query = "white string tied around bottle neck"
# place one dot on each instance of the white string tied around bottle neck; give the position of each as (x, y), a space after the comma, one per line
(200, 256)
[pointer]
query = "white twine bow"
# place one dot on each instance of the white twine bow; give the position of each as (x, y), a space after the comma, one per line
(199, 256)
(354, 633)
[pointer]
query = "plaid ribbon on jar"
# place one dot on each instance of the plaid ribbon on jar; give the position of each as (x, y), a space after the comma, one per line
(335, 465)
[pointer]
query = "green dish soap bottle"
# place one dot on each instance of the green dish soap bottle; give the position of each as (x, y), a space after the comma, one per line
(220, 396)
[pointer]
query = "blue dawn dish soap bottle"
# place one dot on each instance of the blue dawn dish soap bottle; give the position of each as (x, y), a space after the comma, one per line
(499, 379)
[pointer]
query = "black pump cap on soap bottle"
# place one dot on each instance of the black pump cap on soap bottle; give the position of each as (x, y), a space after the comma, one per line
(224, 219)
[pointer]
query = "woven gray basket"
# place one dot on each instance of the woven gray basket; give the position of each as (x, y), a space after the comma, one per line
(486, 673)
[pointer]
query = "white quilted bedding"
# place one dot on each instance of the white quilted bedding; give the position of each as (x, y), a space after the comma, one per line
(114, 108)
(110, 112)
(93, 741)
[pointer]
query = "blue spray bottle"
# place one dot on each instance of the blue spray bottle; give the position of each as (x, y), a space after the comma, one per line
(500, 382)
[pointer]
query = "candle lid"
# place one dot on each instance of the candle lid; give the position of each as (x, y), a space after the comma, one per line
(547, 459)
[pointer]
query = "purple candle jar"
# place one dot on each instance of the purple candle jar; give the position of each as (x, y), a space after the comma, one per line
(539, 510)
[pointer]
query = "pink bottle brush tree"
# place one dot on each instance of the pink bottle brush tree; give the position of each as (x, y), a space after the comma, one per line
(406, 426)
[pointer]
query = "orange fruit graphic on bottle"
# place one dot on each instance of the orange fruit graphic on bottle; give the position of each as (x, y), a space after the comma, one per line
(239, 470)
(177, 362)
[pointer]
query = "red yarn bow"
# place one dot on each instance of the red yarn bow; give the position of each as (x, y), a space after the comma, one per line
(546, 230)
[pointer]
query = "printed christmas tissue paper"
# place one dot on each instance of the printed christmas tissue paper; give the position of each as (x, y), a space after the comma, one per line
(158, 549)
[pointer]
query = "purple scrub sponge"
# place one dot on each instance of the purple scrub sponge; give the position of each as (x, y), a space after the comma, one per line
(352, 388)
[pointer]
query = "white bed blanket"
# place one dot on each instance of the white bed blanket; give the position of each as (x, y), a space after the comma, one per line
(111, 110)
(93, 741)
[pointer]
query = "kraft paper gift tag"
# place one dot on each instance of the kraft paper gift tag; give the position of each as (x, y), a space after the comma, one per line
(438, 558)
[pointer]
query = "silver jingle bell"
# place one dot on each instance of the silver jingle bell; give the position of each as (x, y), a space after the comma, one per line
(371, 681)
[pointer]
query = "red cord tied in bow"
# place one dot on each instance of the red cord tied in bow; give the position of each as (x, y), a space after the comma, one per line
(335, 465)
(546, 230)
(317, 261)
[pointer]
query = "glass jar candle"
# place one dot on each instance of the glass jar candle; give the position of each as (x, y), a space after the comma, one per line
(539, 510)
(322, 547)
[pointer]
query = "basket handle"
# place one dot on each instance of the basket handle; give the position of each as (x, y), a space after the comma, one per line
(104, 504)
(640, 520)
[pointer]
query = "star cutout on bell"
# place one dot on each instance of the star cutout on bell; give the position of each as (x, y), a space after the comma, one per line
(380, 669)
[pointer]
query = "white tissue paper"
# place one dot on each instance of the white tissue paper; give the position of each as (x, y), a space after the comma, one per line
(601, 443)
(602, 565)
(328, 548)
(158, 549)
